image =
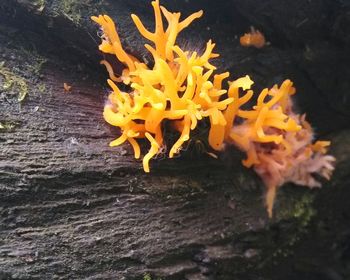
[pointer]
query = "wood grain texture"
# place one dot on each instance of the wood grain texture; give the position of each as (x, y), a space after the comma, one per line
(73, 208)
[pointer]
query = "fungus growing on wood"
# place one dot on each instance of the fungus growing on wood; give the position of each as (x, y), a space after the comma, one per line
(253, 39)
(180, 87)
(279, 143)
(180, 90)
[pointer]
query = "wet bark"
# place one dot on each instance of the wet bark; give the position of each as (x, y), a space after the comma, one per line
(73, 208)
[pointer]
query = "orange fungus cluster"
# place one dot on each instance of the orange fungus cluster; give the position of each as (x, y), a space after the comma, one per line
(253, 39)
(182, 89)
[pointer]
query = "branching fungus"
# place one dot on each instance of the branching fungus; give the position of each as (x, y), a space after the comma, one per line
(181, 89)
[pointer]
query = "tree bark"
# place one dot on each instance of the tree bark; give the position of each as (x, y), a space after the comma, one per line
(73, 208)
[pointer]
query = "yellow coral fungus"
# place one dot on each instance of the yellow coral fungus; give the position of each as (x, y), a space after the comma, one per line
(178, 88)
(181, 90)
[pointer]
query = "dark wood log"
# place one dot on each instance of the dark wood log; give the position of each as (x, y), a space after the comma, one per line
(73, 208)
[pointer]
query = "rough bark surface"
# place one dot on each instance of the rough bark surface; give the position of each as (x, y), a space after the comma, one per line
(73, 208)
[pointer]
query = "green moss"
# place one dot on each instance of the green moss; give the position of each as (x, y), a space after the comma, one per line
(14, 79)
(71, 10)
(300, 208)
(37, 5)
(7, 126)
(41, 4)
(76, 10)
(42, 88)
(303, 211)
(13, 82)
(148, 276)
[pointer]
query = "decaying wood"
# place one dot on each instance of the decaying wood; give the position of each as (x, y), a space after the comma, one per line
(73, 208)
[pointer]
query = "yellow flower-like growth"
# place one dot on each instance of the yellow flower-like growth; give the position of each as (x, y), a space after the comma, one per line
(181, 89)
